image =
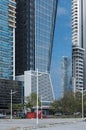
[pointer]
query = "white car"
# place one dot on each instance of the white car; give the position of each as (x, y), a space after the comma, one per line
(58, 114)
(2, 116)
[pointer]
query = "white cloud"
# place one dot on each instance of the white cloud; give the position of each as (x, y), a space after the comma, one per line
(62, 11)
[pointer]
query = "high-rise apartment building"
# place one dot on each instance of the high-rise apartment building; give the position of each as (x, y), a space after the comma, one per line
(7, 39)
(79, 43)
(7, 56)
(34, 40)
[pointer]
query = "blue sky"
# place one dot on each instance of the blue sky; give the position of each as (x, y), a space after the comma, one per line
(62, 43)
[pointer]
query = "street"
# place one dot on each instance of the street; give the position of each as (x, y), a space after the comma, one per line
(67, 126)
(44, 124)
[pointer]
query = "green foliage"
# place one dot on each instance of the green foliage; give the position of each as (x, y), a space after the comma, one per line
(31, 101)
(67, 103)
(18, 107)
(70, 103)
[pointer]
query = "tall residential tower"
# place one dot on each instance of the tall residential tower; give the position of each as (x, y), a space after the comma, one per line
(7, 39)
(79, 43)
(7, 56)
(34, 42)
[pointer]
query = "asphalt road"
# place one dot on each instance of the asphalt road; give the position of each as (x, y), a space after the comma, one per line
(66, 126)
(44, 124)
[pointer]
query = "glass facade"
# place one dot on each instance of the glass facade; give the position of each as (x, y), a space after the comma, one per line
(25, 36)
(36, 18)
(7, 23)
(44, 22)
(5, 89)
(65, 67)
(44, 85)
(34, 41)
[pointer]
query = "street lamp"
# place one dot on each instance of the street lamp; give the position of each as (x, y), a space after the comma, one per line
(41, 107)
(11, 102)
(37, 97)
(82, 92)
(37, 93)
(82, 105)
(83, 102)
(37, 84)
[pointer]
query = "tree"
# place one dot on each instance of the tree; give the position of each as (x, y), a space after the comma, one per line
(18, 107)
(31, 101)
(55, 106)
(69, 104)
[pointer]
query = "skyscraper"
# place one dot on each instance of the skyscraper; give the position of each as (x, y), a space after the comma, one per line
(79, 43)
(7, 39)
(25, 36)
(7, 55)
(34, 36)
(65, 65)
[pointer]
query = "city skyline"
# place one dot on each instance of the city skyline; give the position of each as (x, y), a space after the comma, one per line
(34, 47)
(61, 29)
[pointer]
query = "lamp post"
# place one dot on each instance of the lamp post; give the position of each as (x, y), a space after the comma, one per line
(11, 102)
(38, 94)
(82, 92)
(41, 107)
(37, 89)
(37, 98)
(82, 105)
(11, 105)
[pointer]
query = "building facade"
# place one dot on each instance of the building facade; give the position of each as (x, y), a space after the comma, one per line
(79, 43)
(25, 36)
(7, 39)
(34, 38)
(36, 18)
(5, 93)
(65, 67)
(7, 55)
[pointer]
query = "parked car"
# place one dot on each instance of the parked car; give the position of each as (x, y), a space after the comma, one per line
(76, 113)
(58, 114)
(2, 116)
(21, 115)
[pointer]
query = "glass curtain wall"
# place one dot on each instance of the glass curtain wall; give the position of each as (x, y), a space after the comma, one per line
(44, 25)
(6, 40)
